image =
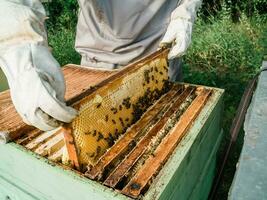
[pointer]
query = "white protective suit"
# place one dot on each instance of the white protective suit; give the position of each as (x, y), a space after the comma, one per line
(110, 33)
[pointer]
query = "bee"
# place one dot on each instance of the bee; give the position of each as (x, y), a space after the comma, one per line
(98, 151)
(116, 131)
(126, 102)
(100, 136)
(146, 76)
(121, 120)
(109, 139)
(113, 121)
(114, 110)
(94, 133)
(166, 69)
(92, 155)
(106, 118)
(98, 105)
(88, 133)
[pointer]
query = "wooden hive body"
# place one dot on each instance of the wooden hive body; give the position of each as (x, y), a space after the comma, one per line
(187, 173)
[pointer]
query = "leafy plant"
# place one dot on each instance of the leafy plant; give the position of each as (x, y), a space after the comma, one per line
(62, 13)
(227, 55)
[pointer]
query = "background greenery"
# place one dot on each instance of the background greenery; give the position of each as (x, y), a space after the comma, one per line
(228, 46)
(226, 55)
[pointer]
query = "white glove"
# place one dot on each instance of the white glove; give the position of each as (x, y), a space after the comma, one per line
(178, 34)
(35, 79)
(179, 31)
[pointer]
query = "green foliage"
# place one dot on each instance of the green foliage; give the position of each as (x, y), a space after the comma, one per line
(211, 8)
(62, 42)
(226, 55)
(61, 30)
(62, 13)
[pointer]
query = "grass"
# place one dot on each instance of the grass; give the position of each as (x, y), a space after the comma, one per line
(226, 55)
(62, 42)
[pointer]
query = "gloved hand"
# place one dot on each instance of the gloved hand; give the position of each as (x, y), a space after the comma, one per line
(35, 79)
(178, 35)
(179, 31)
(37, 86)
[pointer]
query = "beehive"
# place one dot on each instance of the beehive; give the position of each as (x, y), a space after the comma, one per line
(169, 150)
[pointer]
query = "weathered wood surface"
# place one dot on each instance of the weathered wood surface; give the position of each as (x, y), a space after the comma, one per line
(129, 137)
(192, 155)
(78, 79)
(70, 145)
(152, 165)
(143, 144)
(93, 133)
(186, 173)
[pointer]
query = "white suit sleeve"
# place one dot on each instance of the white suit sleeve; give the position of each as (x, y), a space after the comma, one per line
(35, 79)
(179, 30)
(187, 9)
(22, 21)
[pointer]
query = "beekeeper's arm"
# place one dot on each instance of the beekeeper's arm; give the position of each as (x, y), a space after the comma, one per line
(35, 79)
(179, 30)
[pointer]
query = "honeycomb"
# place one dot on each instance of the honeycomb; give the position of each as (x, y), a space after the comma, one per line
(107, 113)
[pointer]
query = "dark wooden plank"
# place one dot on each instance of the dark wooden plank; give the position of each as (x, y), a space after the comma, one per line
(123, 143)
(155, 162)
(143, 144)
(70, 145)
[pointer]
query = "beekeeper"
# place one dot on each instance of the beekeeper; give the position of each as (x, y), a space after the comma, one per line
(110, 34)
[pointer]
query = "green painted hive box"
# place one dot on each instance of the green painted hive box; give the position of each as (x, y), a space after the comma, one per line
(187, 174)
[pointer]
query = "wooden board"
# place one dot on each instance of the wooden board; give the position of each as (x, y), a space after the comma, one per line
(78, 79)
(106, 111)
(152, 165)
(191, 155)
(143, 144)
(129, 137)
(52, 181)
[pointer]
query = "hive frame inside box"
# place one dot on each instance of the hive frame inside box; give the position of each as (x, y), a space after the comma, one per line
(54, 181)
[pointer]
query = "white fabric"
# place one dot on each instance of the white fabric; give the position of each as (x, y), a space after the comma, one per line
(22, 21)
(36, 82)
(179, 34)
(113, 33)
(179, 30)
